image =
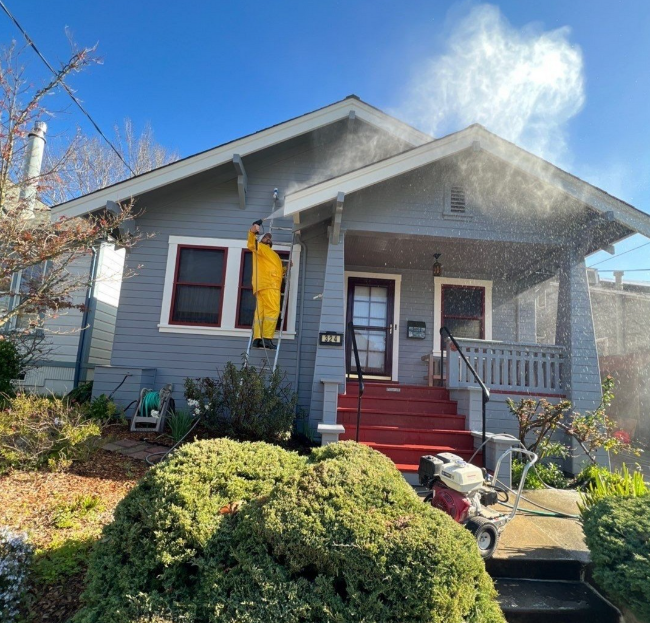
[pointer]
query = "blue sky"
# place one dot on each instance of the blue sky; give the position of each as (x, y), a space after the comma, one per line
(206, 72)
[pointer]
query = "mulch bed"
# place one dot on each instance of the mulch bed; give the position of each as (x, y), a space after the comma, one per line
(28, 501)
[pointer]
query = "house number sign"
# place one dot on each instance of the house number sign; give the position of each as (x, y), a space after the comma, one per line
(330, 338)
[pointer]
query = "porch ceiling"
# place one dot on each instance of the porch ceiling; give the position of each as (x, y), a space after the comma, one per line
(462, 258)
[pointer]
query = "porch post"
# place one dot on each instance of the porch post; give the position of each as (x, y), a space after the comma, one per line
(329, 368)
(575, 331)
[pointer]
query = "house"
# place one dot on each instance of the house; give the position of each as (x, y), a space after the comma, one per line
(364, 203)
(620, 311)
(75, 341)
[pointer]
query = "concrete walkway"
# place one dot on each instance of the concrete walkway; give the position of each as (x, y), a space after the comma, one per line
(135, 449)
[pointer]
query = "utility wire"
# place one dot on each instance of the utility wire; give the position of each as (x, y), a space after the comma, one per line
(627, 270)
(31, 43)
(615, 257)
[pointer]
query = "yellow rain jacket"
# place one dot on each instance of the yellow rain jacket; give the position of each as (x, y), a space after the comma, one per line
(267, 266)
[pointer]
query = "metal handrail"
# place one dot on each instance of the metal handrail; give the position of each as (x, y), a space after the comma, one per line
(353, 338)
(484, 390)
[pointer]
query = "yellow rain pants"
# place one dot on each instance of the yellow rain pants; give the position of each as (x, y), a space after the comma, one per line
(267, 313)
(266, 282)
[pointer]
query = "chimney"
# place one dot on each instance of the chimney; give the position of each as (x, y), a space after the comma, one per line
(618, 279)
(34, 150)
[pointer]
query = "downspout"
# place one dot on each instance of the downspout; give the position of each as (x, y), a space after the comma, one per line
(303, 270)
(92, 276)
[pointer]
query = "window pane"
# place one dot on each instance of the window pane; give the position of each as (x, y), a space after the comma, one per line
(247, 269)
(201, 266)
(197, 305)
(459, 301)
(246, 309)
(464, 328)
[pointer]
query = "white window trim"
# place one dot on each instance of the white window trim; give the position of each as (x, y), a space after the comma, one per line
(230, 288)
(396, 313)
(437, 304)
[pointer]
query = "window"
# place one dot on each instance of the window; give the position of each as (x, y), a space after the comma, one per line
(246, 298)
(207, 288)
(198, 286)
(463, 311)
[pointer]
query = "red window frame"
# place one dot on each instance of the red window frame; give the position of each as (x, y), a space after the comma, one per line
(284, 255)
(205, 285)
(451, 286)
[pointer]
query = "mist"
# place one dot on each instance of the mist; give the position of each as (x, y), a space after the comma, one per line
(522, 84)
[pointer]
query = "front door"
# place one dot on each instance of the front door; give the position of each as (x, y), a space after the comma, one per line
(371, 309)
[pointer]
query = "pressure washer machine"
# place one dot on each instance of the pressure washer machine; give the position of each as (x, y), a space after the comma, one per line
(466, 492)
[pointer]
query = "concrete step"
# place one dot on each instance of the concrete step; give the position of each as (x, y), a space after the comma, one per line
(565, 569)
(459, 439)
(347, 416)
(541, 601)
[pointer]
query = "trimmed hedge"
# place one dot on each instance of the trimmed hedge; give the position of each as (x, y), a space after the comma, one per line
(617, 532)
(253, 533)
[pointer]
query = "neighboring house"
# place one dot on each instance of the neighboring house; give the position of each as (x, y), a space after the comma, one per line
(76, 340)
(620, 311)
(370, 200)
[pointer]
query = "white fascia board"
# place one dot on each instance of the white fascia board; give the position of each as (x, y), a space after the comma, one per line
(580, 190)
(244, 146)
(378, 172)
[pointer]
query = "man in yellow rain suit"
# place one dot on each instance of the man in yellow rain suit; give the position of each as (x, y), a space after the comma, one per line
(266, 282)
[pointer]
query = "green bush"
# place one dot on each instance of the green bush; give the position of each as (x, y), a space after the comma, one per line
(9, 366)
(39, 431)
(81, 394)
(617, 532)
(100, 409)
(250, 532)
(245, 403)
(613, 484)
(179, 424)
(539, 475)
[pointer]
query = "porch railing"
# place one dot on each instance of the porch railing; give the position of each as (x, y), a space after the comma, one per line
(353, 339)
(507, 366)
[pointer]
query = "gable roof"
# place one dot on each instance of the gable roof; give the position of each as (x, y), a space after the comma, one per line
(246, 145)
(475, 136)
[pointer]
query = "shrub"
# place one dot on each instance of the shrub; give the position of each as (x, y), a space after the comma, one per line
(101, 409)
(9, 366)
(250, 532)
(180, 424)
(37, 431)
(613, 484)
(15, 555)
(539, 475)
(81, 394)
(617, 532)
(245, 403)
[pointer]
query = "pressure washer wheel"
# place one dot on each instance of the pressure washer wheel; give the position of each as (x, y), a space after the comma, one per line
(486, 534)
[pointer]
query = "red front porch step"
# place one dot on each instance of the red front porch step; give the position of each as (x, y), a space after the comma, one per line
(397, 435)
(347, 416)
(394, 390)
(410, 454)
(398, 404)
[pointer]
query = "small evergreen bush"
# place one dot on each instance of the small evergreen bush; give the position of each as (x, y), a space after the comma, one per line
(245, 403)
(40, 431)
(249, 532)
(9, 366)
(15, 556)
(539, 475)
(617, 532)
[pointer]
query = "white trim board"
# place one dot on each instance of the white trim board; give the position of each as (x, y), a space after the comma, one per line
(243, 147)
(396, 310)
(437, 304)
(230, 288)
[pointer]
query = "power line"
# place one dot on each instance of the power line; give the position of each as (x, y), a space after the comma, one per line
(625, 270)
(615, 257)
(31, 43)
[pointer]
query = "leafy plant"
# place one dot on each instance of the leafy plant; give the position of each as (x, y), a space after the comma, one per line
(9, 366)
(62, 559)
(81, 394)
(68, 515)
(619, 484)
(539, 422)
(539, 476)
(180, 423)
(37, 431)
(617, 533)
(227, 531)
(15, 555)
(101, 409)
(245, 403)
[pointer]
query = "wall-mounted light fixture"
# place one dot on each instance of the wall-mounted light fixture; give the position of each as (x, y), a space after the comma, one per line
(437, 266)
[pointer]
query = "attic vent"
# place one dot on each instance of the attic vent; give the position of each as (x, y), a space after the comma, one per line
(457, 204)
